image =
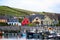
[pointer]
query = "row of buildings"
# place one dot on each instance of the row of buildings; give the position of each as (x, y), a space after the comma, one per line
(38, 19)
(9, 20)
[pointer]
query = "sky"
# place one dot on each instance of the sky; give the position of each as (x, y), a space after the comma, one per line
(34, 5)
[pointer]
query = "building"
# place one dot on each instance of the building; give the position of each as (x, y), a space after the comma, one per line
(13, 21)
(37, 19)
(25, 21)
(51, 18)
(40, 19)
(3, 19)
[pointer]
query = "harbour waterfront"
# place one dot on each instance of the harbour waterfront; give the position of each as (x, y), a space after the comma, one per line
(15, 36)
(27, 39)
(18, 36)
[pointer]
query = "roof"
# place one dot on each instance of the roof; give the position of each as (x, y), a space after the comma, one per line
(3, 17)
(32, 17)
(52, 16)
(13, 20)
(58, 15)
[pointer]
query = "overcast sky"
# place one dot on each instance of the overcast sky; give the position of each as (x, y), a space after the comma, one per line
(34, 5)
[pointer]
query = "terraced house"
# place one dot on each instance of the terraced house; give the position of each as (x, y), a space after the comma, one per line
(3, 19)
(13, 21)
(41, 19)
(51, 19)
(7, 20)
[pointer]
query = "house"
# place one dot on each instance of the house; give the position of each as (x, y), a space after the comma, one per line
(37, 19)
(25, 21)
(51, 18)
(40, 19)
(13, 21)
(3, 19)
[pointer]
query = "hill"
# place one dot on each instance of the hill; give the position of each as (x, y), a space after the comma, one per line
(5, 10)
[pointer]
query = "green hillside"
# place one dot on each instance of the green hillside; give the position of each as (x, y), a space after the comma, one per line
(5, 10)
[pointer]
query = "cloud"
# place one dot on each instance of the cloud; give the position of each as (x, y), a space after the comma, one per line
(34, 5)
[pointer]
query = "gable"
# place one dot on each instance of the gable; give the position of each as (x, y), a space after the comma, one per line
(37, 19)
(47, 18)
(25, 21)
(32, 17)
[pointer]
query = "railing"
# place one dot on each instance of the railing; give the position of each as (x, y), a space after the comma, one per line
(55, 28)
(3, 28)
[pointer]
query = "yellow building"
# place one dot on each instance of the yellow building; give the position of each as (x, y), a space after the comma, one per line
(3, 19)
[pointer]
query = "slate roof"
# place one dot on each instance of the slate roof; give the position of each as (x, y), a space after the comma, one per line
(58, 15)
(32, 17)
(13, 20)
(9, 18)
(3, 17)
(52, 16)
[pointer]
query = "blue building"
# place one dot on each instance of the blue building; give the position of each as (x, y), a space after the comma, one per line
(14, 21)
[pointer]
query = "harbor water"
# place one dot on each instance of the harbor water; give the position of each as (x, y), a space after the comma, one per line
(18, 36)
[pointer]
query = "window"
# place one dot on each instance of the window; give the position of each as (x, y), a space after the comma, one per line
(36, 19)
(41, 22)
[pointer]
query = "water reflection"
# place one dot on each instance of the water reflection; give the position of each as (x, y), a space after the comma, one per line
(18, 35)
(11, 35)
(44, 39)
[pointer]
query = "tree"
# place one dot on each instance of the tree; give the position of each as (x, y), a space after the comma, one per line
(58, 23)
(31, 24)
(20, 20)
(3, 24)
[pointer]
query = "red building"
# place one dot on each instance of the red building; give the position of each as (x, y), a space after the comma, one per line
(25, 21)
